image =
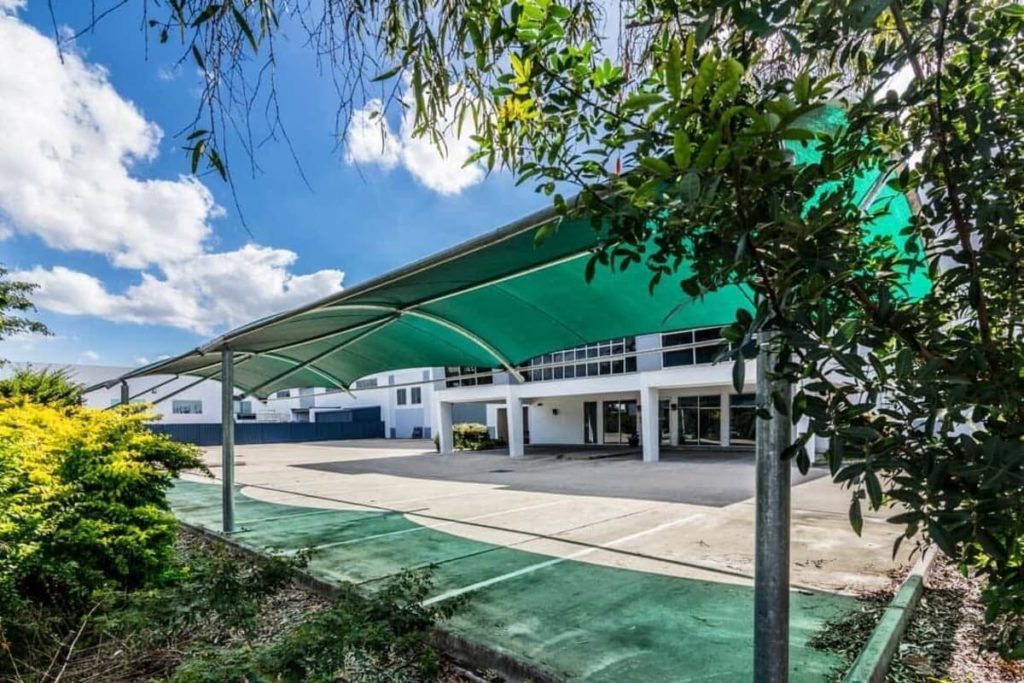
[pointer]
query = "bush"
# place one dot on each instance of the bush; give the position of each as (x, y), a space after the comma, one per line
(48, 387)
(472, 436)
(82, 505)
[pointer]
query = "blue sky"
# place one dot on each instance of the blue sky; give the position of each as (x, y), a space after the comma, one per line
(136, 260)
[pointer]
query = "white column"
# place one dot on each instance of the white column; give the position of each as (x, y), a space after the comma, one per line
(443, 425)
(514, 410)
(650, 437)
(724, 423)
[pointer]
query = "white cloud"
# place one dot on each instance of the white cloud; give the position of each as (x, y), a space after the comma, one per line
(11, 6)
(371, 140)
(208, 293)
(90, 356)
(68, 143)
(68, 146)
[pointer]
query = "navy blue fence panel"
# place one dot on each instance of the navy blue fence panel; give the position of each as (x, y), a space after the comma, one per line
(274, 432)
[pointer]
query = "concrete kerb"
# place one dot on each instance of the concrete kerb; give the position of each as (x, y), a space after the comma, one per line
(872, 664)
(466, 654)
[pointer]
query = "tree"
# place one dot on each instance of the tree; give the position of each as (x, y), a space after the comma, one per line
(684, 150)
(14, 301)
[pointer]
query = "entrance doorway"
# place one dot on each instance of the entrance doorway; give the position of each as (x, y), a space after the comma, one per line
(700, 420)
(620, 422)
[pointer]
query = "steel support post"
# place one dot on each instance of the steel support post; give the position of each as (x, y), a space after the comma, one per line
(771, 558)
(227, 421)
(125, 396)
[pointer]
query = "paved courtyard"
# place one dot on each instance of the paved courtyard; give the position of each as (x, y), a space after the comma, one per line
(596, 570)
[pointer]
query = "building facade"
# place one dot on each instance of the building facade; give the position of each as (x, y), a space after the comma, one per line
(601, 394)
(177, 400)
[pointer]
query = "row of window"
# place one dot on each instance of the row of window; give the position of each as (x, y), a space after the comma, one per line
(589, 360)
(466, 376)
(195, 407)
(705, 345)
(414, 396)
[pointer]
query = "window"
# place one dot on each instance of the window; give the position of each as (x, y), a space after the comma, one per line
(700, 419)
(366, 383)
(400, 397)
(704, 345)
(743, 419)
(611, 357)
(467, 376)
(283, 394)
(186, 407)
(415, 396)
(620, 422)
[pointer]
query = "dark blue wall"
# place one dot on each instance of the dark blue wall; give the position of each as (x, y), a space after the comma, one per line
(358, 423)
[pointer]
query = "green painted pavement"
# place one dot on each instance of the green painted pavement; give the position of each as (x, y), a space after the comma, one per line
(581, 621)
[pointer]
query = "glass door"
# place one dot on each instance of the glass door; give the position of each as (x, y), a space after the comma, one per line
(700, 420)
(620, 422)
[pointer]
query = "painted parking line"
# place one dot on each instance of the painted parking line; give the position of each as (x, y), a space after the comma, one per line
(455, 592)
(424, 498)
(533, 537)
(288, 515)
(439, 526)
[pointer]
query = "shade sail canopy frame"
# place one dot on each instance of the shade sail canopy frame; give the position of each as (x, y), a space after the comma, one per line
(496, 300)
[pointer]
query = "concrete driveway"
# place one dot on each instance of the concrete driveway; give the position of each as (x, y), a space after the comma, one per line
(597, 570)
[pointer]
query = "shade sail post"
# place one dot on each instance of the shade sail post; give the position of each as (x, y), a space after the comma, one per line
(227, 421)
(125, 396)
(772, 519)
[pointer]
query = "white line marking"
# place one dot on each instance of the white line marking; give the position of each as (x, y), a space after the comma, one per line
(455, 592)
(439, 526)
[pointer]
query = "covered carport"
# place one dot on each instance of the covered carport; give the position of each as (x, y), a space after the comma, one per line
(498, 301)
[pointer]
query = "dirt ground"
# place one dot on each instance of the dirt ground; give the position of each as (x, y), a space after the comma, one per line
(946, 639)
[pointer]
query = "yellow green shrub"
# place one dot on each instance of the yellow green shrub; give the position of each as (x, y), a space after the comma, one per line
(82, 500)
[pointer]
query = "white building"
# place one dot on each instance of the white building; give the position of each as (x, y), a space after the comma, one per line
(597, 394)
(593, 395)
(174, 399)
(406, 399)
(601, 394)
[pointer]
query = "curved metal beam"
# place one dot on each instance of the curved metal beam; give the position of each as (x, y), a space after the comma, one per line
(444, 322)
(479, 341)
(304, 364)
(326, 375)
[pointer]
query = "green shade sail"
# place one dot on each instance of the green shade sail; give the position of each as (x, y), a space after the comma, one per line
(495, 301)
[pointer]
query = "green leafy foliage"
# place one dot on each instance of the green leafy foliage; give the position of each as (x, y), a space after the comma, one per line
(219, 614)
(736, 139)
(471, 436)
(14, 301)
(82, 505)
(50, 387)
